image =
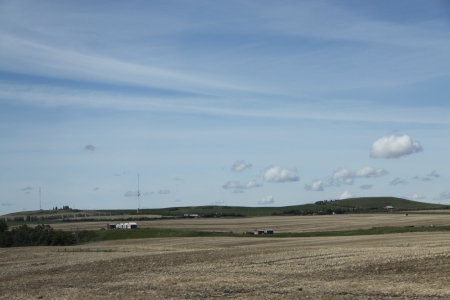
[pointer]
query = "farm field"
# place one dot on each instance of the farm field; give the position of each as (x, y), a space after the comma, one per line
(282, 223)
(400, 266)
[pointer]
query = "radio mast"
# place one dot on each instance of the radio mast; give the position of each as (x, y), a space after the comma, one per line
(139, 194)
(40, 198)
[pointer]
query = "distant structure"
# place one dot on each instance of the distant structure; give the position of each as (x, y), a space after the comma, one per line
(263, 231)
(139, 194)
(40, 208)
(130, 225)
(388, 207)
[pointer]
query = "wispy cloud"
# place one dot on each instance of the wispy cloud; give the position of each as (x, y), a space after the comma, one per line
(89, 147)
(28, 188)
(398, 181)
(366, 186)
(163, 192)
(240, 165)
(443, 196)
(268, 200)
(6, 204)
(236, 185)
(131, 194)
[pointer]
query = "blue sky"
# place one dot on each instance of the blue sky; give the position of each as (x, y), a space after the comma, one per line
(222, 102)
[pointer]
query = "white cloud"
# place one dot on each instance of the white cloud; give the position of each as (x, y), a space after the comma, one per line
(343, 175)
(346, 195)
(89, 148)
(315, 186)
(417, 197)
(277, 174)
(443, 196)
(236, 185)
(267, 200)
(366, 186)
(397, 181)
(163, 192)
(240, 165)
(369, 172)
(394, 146)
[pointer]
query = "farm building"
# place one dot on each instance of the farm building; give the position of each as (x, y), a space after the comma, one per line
(263, 231)
(110, 226)
(130, 225)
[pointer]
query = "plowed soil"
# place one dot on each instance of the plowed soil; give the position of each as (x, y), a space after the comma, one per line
(395, 266)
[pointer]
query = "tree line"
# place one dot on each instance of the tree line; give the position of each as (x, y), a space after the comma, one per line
(41, 235)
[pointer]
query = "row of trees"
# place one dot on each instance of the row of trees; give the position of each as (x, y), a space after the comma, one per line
(41, 235)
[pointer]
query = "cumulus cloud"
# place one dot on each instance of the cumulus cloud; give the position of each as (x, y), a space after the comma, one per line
(277, 174)
(267, 200)
(366, 186)
(398, 181)
(443, 196)
(240, 165)
(236, 185)
(346, 195)
(6, 204)
(369, 172)
(89, 148)
(394, 146)
(131, 194)
(342, 175)
(163, 192)
(28, 188)
(315, 186)
(417, 197)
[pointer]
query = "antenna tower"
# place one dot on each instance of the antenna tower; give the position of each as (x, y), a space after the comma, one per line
(139, 194)
(40, 198)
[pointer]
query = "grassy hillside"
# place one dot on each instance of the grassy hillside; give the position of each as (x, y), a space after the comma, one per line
(367, 204)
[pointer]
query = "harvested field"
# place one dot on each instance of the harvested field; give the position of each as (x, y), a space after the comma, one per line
(400, 266)
(284, 223)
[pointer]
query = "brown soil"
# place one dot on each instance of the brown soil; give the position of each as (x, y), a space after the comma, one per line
(396, 266)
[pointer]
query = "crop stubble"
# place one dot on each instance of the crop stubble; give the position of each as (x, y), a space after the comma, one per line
(400, 266)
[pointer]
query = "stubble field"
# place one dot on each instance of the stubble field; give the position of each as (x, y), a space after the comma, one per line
(395, 266)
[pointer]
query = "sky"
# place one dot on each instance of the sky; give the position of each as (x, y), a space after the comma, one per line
(239, 103)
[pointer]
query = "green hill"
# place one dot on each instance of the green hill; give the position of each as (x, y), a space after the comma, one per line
(366, 204)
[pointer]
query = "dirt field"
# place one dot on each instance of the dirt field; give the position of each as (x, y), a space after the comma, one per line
(285, 223)
(397, 266)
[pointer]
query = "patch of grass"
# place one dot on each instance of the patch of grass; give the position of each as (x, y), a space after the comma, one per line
(110, 235)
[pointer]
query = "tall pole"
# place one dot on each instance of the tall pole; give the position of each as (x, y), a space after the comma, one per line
(40, 198)
(139, 194)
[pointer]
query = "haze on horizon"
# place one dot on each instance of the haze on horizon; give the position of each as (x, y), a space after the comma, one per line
(227, 103)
